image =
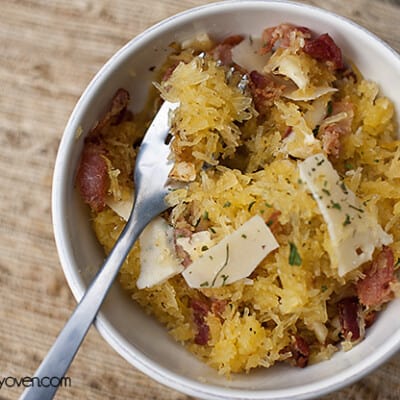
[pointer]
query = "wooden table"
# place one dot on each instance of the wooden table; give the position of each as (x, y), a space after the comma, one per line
(49, 51)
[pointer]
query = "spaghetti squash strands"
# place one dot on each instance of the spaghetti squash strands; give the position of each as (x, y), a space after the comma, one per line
(287, 165)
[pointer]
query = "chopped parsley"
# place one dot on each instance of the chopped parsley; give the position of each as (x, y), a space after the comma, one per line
(251, 205)
(315, 130)
(347, 220)
(326, 191)
(227, 204)
(224, 277)
(344, 188)
(294, 256)
(348, 166)
(336, 205)
(329, 108)
(356, 208)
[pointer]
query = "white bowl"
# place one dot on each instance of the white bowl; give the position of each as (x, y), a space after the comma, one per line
(138, 337)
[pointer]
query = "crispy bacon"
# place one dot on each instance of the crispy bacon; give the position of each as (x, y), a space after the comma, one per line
(324, 48)
(350, 316)
(300, 351)
(223, 51)
(92, 177)
(180, 252)
(370, 318)
(200, 310)
(288, 131)
(273, 221)
(332, 134)
(118, 106)
(218, 306)
(330, 138)
(375, 290)
(265, 89)
(281, 33)
(169, 71)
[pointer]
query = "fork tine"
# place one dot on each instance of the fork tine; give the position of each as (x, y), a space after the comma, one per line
(153, 163)
(159, 127)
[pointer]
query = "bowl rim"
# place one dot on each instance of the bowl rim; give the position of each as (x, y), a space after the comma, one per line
(109, 333)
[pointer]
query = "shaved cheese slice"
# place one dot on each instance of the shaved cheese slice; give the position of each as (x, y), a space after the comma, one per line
(284, 63)
(122, 207)
(246, 54)
(354, 232)
(235, 257)
(315, 115)
(309, 94)
(301, 143)
(158, 261)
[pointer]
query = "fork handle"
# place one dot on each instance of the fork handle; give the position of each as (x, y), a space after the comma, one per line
(63, 351)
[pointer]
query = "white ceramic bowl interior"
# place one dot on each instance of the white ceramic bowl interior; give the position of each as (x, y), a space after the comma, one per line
(138, 337)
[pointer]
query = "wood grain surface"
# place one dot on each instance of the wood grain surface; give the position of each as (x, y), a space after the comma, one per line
(49, 51)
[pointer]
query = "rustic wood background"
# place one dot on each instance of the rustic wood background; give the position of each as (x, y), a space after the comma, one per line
(49, 51)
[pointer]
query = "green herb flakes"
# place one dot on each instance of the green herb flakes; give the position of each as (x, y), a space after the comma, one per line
(294, 256)
(251, 205)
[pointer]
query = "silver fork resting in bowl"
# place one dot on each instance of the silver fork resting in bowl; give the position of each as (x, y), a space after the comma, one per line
(151, 186)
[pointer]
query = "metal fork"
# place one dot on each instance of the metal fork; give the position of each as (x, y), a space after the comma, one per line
(151, 186)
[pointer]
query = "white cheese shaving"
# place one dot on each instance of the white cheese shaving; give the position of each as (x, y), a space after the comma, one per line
(284, 63)
(235, 257)
(309, 94)
(158, 261)
(122, 207)
(246, 54)
(354, 232)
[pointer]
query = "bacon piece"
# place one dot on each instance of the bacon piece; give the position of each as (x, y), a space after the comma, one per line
(218, 307)
(374, 290)
(332, 134)
(273, 221)
(118, 105)
(330, 138)
(265, 89)
(324, 48)
(169, 71)
(223, 51)
(300, 351)
(180, 252)
(200, 310)
(288, 131)
(281, 33)
(370, 318)
(349, 316)
(92, 177)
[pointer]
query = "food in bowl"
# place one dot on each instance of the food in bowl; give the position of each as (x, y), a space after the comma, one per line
(282, 243)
